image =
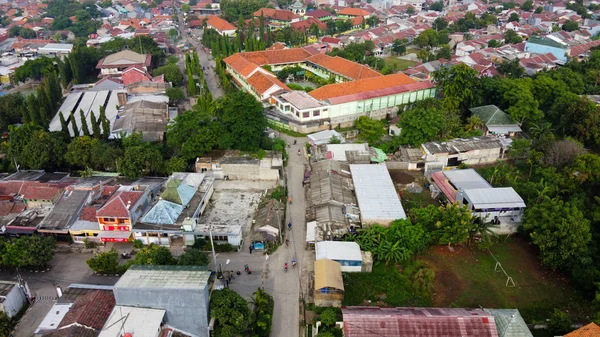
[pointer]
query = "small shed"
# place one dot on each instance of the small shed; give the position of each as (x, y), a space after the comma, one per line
(346, 253)
(270, 232)
(496, 121)
(329, 285)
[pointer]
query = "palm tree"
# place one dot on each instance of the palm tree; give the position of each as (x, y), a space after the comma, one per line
(473, 123)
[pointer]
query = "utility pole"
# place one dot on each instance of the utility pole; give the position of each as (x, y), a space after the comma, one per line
(212, 245)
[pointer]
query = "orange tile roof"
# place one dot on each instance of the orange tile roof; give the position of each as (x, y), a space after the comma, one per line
(276, 56)
(357, 20)
(277, 46)
(262, 82)
(368, 88)
(353, 12)
(343, 67)
(240, 64)
(276, 14)
(219, 24)
(590, 330)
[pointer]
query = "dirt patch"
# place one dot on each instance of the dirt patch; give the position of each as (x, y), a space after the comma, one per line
(400, 177)
(447, 286)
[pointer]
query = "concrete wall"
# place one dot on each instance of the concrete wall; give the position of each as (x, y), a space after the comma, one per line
(13, 301)
(328, 300)
(249, 172)
(400, 165)
(187, 309)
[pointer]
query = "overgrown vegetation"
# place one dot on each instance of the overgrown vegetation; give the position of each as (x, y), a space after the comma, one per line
(27, 252)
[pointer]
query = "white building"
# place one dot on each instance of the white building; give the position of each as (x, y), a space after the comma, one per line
(377, 198)
(500, 205)
(12, 298)
(56, 49)
(136, 321)
(348, 254)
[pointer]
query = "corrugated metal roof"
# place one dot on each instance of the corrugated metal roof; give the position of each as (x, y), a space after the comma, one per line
(163, 213)
(376, 194)
(466, 179)
(510, 323)
(338, 251)
(164, 277)
(417, 322)
(328, 273)
(500, 197)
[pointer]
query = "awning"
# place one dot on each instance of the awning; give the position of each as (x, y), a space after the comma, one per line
(269, 230)
(503, 129)
(19, 230)
(328, 273)
(114, 235)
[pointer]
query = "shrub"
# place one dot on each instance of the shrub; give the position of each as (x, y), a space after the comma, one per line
(106, 263)
(224, 248)
(328, 317)
(87, 244)
(138, 244)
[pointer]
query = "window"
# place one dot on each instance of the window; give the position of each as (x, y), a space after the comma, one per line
(287, 108)
(294, 111)
(325, 110)
(109, 219)
(325, 290)
(306, 114)
(316, 113)
(297, 114)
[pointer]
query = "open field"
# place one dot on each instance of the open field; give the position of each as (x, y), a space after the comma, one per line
(465, 277)
(400, 64)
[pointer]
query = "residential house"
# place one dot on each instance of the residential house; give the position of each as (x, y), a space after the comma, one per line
(501, 205)
(328, 285)
(64, 214)
(182, 291)
(117, 216)
(81, 311)
(136, 321)
(495, 121)
(114, 64)
(148, 118)
(471, 151)
(347, 254)
(417, 322)
(12, 297)
(172, 219)
(136, 74)
(324, 137)
(319, 14)
(40, 195)
(277, 18)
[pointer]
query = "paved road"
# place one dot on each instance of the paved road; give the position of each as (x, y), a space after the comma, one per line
(205, 61)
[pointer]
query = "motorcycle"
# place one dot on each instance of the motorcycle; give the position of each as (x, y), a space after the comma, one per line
(298, 151)
(295, 142)
(290, 200)
(286, 267)
(294, 263)
(287, 242)
(247, 269)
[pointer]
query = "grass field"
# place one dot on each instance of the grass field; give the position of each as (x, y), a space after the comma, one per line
(386, 285)
(400, 64)
(466, 278)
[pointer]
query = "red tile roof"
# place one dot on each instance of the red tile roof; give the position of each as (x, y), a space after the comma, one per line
(590, 330)
(116, 206)
(277, 46)
(417, 322)
(88, 213)
(361, 86)
(91, 310)
(305, 24)
(353, 12)
(291, 55)
(240, 64)
(346, 68)
(329, 39)
(10, 207)
(262, 82)
(10, 187)
(318, 13)
(219, 24)
(582, 48)
(276, 14)
(40, 192)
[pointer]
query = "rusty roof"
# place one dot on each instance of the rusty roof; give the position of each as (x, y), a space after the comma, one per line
(417, 322)
(590, 330)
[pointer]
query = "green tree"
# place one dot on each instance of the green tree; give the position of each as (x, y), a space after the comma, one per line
(194, 133)
(328, 317)
(11, 110)
(410, 10)
(527, 5)
(64, 127)
(140, 158)
(494, 43)
(458, 85)
(369, 130)
(437, 6)
(421, 125)
(242, 115)
(399, 46)
(560, 323)
(230, 312)
(511, 69)
(444, 53)
(33, 252)
(539, 10)
(175, 94)
(451, 224)
(428, 38)
(65, 72)
(106, 262)
(79, 151)
(84, 127)
(172, 74)
(514, 17)
(191, 82)
(570, 26)
(559, 230)
(105, 123)
(440, 23)
(95, 126)
(154, 255)
(263, 313)
(511, 37)
(6, 324)
(193, 257)
(175, 164)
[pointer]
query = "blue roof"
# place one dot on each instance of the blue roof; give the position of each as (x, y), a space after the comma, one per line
(163, 213)
(186, 193)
